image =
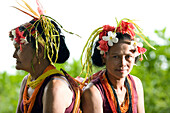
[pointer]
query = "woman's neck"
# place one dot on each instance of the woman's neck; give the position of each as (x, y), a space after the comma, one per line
(118, 83)
(38, 69)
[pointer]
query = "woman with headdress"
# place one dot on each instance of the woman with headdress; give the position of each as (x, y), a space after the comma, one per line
(38, 45)
(114, 90)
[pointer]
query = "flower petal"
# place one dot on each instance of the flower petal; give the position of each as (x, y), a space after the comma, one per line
(110, 33)
(98, 48)
(105, 38)
(110, 43)
(115, 40)
(101, 52)
(140, 44)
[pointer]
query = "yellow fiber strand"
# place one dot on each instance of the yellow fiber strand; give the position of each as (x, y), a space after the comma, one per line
(145, 41)
(138, 28)
(22, 6)
(49, 30)
(62, 26)
(88, 63)
(139, 33)
(41, 41)
(36, 41)
(88, 41)
(48, 55)
(77, 101)
(57, 47)
(24, 12)
(31, 10)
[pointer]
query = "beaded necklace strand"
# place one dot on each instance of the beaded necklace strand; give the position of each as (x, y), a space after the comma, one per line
(119, 110)
(33, 84)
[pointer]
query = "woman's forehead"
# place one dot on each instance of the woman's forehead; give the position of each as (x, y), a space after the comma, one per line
(121, 48)
(18, 45)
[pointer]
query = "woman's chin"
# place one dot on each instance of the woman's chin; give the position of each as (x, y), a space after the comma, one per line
(18, 67)
(121, 74)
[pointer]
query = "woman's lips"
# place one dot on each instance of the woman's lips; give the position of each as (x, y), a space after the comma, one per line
(121, 70)
(18, 61)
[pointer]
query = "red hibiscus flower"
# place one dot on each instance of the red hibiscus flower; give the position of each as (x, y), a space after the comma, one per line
(103, 45)
(101, 34)
(126, 27)
(108, 28)
(141, 50)
(19, 35)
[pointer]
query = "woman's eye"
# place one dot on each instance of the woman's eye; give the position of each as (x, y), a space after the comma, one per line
(115, 56)
(18, 48)
(128, 56)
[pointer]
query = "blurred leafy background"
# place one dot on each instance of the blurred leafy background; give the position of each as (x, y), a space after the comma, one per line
(152, 72)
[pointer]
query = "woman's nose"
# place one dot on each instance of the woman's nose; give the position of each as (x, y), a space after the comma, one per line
(123, 61)
(14, 54)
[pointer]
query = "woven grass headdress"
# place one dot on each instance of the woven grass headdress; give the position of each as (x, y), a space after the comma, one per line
(47, 36)
(107, 37)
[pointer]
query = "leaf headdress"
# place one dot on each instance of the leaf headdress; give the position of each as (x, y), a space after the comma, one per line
(50, 32)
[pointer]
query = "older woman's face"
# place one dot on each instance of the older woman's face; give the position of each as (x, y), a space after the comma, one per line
(120, 59)
(25, 55)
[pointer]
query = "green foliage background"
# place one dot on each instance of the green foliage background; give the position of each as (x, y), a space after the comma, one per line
(154, 74)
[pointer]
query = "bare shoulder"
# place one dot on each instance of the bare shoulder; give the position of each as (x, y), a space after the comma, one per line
(23, 83)
(91, 99)
(138, 82)
(58, 86)
(139, 88)
(58, 83)
(91, 90)
(57, 95)
(91, 93)
(24, 80)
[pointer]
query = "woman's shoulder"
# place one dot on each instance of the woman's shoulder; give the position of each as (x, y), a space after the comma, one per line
(91, 99)
(58, 82)
(58, 85)
(24, 80)
(58, 88)
(57, 93)
(94, 87)
(138, 84)
(90, 87)
(136, 80)
(91, 91)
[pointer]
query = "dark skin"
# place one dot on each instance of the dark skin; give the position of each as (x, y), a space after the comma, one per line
(52, 100)
(119, 62)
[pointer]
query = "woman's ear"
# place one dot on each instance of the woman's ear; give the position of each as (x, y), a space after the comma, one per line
(136, 59)
(40, 51)
(104, 58)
